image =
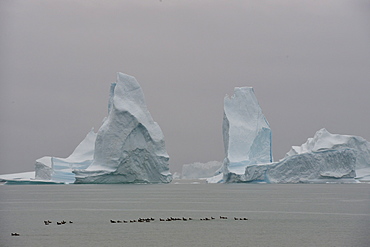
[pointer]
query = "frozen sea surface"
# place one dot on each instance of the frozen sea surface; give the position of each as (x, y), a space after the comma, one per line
(278, 215)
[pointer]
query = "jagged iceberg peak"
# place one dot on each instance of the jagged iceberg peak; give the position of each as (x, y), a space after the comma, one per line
(246, 132)
(130, 146)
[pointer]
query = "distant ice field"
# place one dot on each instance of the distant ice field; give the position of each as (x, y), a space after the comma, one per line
(278, 215)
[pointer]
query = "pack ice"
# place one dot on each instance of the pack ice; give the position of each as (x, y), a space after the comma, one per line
(129, 146)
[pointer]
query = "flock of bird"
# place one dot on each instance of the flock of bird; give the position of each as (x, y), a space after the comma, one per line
(171, 219)
(48, 222)
(63, 222)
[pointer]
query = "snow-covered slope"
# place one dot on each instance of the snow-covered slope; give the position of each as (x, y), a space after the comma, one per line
(130, 146)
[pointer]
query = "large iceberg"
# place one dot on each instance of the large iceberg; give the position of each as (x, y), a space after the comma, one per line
(324, 158)
(323, 140)
(246, 134)
(129, 146)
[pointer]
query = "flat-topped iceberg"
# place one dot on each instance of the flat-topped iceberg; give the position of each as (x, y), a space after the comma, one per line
(246, 133)
(323, 140)
(129, 146)
(324, 158)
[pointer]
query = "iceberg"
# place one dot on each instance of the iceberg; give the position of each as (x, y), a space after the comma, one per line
(55, 170)
(324, 158)
(200, 170)
(60, 169)
(246, 133)
(316, 167)
(129, 146)
(323, 140)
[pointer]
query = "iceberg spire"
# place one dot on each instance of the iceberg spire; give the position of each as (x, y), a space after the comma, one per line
(246, 132)
(129, 146)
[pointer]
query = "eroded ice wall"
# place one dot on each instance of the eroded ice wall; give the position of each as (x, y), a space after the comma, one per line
(246, 132)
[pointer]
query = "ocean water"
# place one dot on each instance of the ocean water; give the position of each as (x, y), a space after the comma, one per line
(278, 215)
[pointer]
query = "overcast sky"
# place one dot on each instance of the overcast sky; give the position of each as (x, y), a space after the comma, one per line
(308, 61)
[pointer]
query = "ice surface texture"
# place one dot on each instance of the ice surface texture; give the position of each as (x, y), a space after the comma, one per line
(200, 170)
(246, 133)
(60, 169)
(129, 146)
(323, 140)
(324, 158)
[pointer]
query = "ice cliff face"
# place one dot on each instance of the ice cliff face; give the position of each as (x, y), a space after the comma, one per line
(129, 146)
(316, 167)
(323, 140)
(324, 158)
(60, 169)
(246, 133)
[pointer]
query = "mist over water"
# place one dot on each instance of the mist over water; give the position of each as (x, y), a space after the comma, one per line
(278, 215)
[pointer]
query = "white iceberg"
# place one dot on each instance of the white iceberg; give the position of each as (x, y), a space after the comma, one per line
(57, 170)
(200, 170)
(129, 146)
(60, 169)
(323, 140)
(324, 158)
(246, 133)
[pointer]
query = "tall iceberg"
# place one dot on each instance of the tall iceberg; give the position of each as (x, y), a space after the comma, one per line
(246, 133)
(129, 146)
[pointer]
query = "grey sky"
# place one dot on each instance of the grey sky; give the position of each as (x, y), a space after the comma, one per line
(308, 61)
